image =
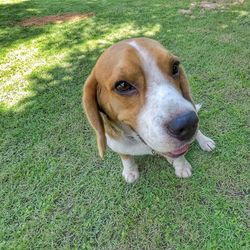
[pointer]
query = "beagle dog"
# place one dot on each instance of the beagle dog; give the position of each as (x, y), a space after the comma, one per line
(138, 101)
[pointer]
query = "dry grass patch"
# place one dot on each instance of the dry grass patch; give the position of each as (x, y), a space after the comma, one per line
(219, 4)
(210, 5)
(55, 19)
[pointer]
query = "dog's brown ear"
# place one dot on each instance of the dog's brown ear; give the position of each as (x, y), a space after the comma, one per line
(92, 111)
(185, 86)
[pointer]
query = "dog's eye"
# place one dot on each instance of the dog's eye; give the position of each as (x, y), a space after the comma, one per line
(124, 88)
(175, 69)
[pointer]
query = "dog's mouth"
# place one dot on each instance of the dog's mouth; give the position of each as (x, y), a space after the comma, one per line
(178, 152)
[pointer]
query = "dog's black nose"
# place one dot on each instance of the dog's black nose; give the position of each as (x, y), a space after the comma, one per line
(184, 126)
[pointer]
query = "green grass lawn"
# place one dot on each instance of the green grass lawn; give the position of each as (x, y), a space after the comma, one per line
(54, 190)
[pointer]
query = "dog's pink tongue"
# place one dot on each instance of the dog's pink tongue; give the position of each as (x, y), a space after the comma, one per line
(180, 150)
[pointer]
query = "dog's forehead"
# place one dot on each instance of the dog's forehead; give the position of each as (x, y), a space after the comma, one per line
(133, 55)
(120, 56)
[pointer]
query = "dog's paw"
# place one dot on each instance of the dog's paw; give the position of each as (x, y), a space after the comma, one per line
(198, 107)
(130, 176)
(184, 171)
(207, 144)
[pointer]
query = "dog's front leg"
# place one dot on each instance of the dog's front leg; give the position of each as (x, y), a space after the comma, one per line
(182, 167)
(205, 142)
(130, 169)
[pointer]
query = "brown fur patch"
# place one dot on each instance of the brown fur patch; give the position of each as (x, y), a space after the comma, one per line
(111, 128)
(56, 19)
(92, 111)
(120, 62)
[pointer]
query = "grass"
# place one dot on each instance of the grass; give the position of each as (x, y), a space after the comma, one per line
(55, 191)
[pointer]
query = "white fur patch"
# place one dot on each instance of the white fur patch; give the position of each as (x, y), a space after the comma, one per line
(205, 142)
(182, 167)
(198, 107)
(130, 170)
(163, 102)
(130, 145)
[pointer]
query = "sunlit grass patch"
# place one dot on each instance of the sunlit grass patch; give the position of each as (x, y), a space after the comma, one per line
(14, 70)
(20, 62)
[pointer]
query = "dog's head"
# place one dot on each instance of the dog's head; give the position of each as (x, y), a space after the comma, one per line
(139, 83)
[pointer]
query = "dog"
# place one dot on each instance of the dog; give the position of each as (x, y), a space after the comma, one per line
(138, 101)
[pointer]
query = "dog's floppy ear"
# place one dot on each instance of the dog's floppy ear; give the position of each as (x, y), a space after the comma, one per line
(92, 110)
(185, 86)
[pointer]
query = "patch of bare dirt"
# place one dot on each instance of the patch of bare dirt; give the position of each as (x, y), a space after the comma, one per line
(230, 190)
(56, 19)
(219, 4)
(212, 5)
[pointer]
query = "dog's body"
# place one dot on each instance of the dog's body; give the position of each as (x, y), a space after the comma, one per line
(138, 101)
